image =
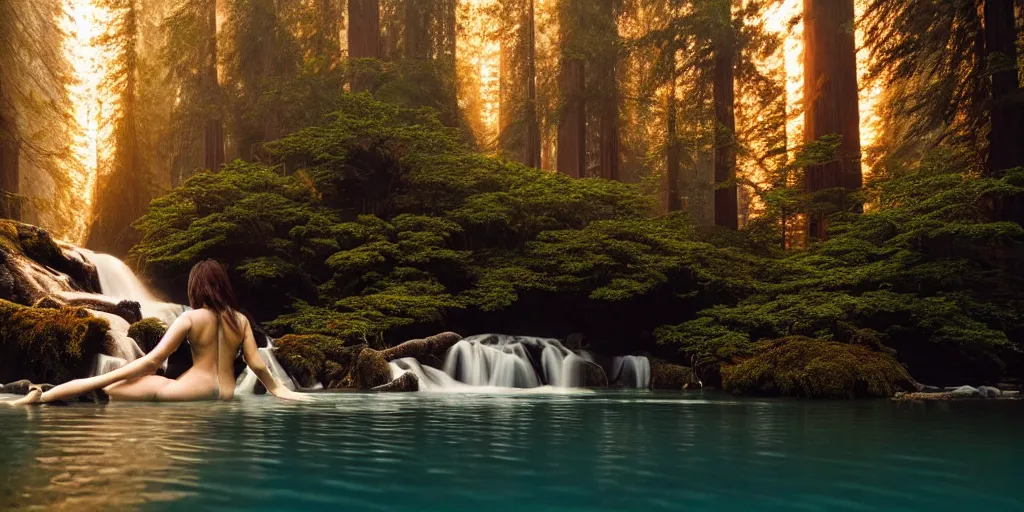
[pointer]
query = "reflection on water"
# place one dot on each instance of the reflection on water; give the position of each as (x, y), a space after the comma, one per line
(602, 451)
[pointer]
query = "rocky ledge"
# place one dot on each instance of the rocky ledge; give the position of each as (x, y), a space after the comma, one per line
(931, 394)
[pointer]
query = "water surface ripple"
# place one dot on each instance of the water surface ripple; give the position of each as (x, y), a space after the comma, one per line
(565, 452)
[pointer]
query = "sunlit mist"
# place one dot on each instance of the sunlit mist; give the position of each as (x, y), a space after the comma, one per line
(84, 23)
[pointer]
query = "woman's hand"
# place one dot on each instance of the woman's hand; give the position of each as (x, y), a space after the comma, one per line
(287, 394)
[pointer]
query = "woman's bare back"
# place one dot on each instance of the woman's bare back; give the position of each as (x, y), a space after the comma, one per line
(215, 343)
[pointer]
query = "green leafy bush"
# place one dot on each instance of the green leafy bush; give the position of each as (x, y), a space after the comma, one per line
(381, 225)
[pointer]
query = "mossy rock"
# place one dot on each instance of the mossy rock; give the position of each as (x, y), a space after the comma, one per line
(408, 382)
(147, 333)
(129, 310)
(592, 375)
(812, 368)
(49, 302)
(371, 370)
(313, 358)
(48, 345)
(36, 244)
(668, 376)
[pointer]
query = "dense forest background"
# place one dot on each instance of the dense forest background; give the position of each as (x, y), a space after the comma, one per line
(719, 171)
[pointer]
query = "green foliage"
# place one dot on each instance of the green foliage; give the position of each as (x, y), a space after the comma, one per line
(386, 223)
(47, 345)
(380, 224)
(927, 273)
(798, 366)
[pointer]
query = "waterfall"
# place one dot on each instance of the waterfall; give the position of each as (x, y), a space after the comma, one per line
(513, 362)
(124, 347)
(246, 382)
(631, 371)
(105, 364)
(118, 282)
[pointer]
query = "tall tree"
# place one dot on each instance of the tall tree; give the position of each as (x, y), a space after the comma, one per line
(724, 84)
(606, 63)
(831, 99)
(673, 152)
(121, 190)
(213, 134)
(1006, 137)
(10, 152)
(950, 74)
(363, 37)
(33, 118)
(260, 55)
(532, 149)
(518, 122)
(572, 124)
(417, 29)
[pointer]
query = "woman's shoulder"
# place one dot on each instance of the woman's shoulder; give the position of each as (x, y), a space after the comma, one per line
(203, 316)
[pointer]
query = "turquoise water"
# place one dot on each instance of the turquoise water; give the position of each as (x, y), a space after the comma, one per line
(579, 452)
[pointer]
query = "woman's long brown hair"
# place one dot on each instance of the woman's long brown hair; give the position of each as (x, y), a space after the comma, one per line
(209, 287)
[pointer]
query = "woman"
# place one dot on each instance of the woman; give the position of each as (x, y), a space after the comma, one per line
(215, 330)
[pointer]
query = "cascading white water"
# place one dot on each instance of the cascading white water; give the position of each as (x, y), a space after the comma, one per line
(504, 364)
(105, 364)
(124, 346)
(509, 362)
(246, 382)
(631, 371)
(118, 282)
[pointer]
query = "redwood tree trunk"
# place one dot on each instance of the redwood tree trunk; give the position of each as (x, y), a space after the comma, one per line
(1006, 139)
(10, 175)
(532, 148)
(830, 95)
(726, 202)
(609, 117)
(213, 137)
(363, 37)
(572, 127)
(672, 152)
(417, 32)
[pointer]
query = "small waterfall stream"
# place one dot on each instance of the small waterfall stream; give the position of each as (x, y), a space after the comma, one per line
(631, 372)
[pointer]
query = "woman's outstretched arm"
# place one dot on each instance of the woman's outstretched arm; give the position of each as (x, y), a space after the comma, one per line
(256, 364)
(145, 365)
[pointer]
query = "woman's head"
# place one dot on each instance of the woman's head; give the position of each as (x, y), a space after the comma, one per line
(209, 287)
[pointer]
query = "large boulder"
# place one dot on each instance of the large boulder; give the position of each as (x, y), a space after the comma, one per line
(669, 376)
(32, 264)
(371, 370)
(407, 382)
(812, 368)
(48, 345)
(592, 375)
(147, 333)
